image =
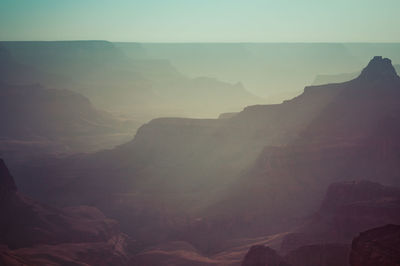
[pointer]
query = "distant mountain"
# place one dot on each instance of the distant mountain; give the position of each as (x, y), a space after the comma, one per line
(36, 120)
(33, 234)
(144, 88)
(13, 72)
(263, 68)
(29, 111)
(173, 253)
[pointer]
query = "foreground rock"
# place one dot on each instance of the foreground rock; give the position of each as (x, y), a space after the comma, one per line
(35, 234)
(319, 255)
(347, 209)
(379, 246)
(263, 256)
(175, 253)
(313, 255)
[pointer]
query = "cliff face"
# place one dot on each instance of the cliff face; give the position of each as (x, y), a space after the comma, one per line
(7, 184)
(319, 255)
(32, 111)
(32, 233)
(352, 137)
(379, 246)
(263, 256)
(347, 209)
(36, 120)
(311, 255)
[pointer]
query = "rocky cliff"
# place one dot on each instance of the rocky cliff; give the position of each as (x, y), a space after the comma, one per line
(36, 234)
(379, 246)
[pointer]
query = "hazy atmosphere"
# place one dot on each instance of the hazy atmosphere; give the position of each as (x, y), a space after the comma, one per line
(201, 20)
(214, 132)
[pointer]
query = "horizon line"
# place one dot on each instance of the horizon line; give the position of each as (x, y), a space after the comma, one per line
(212, 42)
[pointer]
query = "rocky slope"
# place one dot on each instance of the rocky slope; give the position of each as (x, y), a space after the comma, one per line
(261, 256)
(36, 234)
(173, 253)
(352, 137)
(319, 255)
(378, 246)
(348, 208)
(37, 121)
(312, 255)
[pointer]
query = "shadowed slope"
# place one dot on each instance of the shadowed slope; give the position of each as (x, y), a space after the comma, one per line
(378, 246)
(33, 234)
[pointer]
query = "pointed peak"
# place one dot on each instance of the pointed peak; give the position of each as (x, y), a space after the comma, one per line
(378, 68)
(7, 183)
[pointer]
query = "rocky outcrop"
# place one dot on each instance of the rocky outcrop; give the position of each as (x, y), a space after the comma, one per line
(7, 184)
(339, 78)
(311, 255)
(352, 137)
(378, 69)
(379, 246)
(263, 256)
(346, 193)
(319, 255)
(348, 208)
(32, 233)
(176, 253)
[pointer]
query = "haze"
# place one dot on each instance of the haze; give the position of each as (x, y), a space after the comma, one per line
(201, 20)
(199, 133)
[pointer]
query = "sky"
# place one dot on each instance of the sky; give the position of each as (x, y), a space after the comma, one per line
(201, 20)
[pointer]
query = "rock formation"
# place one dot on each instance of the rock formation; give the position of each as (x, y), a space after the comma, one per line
(35, 234)
(263, 256)
(378, 246)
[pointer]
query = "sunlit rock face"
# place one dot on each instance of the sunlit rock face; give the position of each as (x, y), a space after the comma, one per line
(379, 246)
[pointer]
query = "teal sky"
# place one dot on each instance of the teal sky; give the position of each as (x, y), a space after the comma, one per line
(201, 20)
